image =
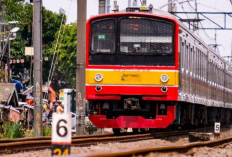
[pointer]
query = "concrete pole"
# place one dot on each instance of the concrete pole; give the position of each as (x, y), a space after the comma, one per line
(144, 2)
(134, 3)
(170, 5)
(116, 6)
(8, 60)
(129, 3)
(37, 40)
(102, 7)
(2, 27)
(81, 56)
(107, 6)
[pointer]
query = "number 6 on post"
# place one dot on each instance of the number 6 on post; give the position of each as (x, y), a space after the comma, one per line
(61, 134)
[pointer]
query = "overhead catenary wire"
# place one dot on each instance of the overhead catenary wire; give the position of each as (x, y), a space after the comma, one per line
(55, 56)
(95, 2)
(54, 53)
(187, 7)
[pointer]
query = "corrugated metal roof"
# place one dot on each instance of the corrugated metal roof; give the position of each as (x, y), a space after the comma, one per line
(9, 107)
(6, 91)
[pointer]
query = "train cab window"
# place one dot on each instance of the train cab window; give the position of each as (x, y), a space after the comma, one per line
(142, 36)
(103, 36)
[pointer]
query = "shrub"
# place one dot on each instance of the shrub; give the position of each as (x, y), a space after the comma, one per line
(12, 130)
(89, 127)
(47, 130)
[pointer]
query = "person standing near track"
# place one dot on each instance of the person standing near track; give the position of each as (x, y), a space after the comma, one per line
(60, 108)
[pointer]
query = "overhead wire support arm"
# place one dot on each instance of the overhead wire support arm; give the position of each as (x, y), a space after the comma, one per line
(212, 21)
(216, 26)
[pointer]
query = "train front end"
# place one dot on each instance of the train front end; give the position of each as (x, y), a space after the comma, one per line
(132, 70)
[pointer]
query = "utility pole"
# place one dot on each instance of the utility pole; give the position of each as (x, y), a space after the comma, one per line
(2, 27)
(129, 3)
(102, 6)
(81, 56)
(144, 3)
(8, 60)
(134, 3)
(107, 6)
(37, 40)
(170, 5)
(195, 26)
(116, 6)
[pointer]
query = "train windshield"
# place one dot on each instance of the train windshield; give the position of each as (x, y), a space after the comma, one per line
(131, 41)
(140, 36)
(103, 36)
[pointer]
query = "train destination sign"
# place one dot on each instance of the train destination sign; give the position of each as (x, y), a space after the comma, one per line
(131, 77)
(61, 134)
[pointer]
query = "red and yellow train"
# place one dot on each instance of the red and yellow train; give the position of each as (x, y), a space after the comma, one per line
(145, 69)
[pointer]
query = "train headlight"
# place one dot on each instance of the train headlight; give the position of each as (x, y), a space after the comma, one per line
(98, 77)
(164, 78)
(164, 89)
(98, 88)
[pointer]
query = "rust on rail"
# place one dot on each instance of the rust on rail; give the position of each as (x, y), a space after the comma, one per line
(144, 151)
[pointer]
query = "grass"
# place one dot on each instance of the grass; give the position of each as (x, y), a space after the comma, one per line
(11, 130)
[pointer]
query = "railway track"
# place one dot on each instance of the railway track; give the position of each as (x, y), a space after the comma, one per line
(163, 149)
(49, 138)
(26, 144)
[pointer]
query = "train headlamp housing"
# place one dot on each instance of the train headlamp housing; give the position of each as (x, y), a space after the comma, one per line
(98, 77)
(98, 88)
(164, 78)
(164, 89)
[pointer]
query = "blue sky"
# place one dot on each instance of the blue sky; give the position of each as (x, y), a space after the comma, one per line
(223, 37)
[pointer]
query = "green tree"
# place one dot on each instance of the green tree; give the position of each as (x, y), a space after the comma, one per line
(19, 10)
(65, 71)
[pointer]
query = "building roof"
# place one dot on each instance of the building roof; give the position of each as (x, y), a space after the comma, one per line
(7, 91)
(9, 107)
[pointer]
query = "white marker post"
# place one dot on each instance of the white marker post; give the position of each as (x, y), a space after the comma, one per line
(217, 129)
(61, 134)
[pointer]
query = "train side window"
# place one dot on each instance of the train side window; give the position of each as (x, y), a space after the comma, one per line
(186, 57)
(197, 58)
(200, 63)
(194, 61)
(180, 53)
(201, 69)
(191, 59)
(205, 68)
(183, 54)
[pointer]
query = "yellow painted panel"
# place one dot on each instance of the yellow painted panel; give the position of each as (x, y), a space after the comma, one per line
(123, 77)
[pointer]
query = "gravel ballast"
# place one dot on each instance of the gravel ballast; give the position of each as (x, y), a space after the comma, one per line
(109, 147)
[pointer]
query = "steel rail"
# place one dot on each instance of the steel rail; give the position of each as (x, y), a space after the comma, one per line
(42, 144)
(163, 149)
(49, 138)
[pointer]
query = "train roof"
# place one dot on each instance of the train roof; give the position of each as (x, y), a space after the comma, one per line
(181, 24)
(161, 13)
